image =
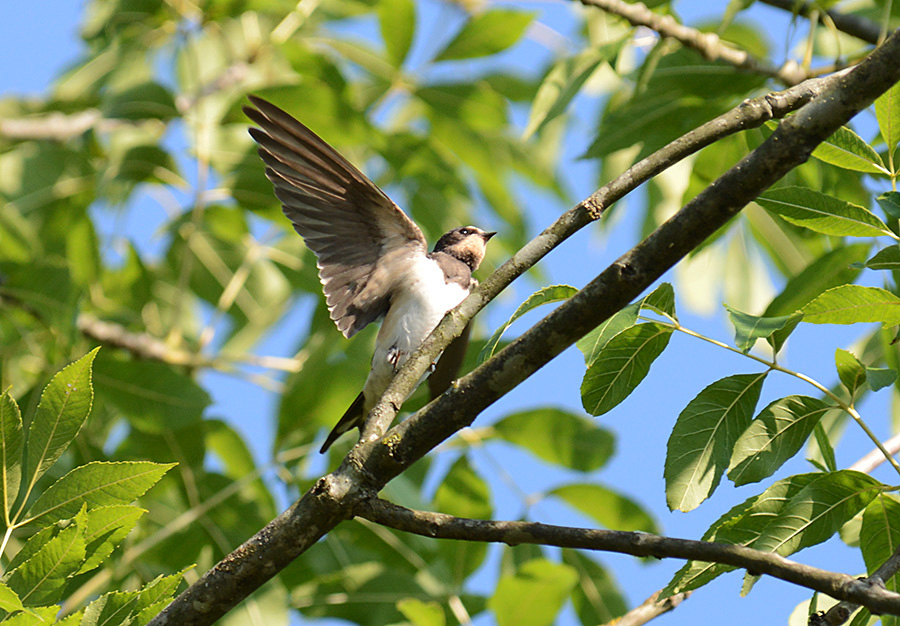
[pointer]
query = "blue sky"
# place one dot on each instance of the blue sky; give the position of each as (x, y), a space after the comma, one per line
(39, 39)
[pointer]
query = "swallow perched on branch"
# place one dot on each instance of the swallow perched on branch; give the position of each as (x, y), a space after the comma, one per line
(373, 260)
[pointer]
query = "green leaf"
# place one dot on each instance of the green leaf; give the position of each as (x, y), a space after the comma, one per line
(9, 600)
(463, 493)
(817, 512)
(147, 163)
(563, 82)
(879, 535)
(65, 405)
(777, 434)
(830, 270)
(132, 608)
(155, 595)
(889, 202)
(592, 344)
(107, 526)
(230, 448)
(848, 150)
(111, 608)
(476, 106)
(887, 111)
(487, 33)
(825, 447)
(96, 484)
(533, 595)
(606, 507)
(661, 300)
(559, 437)
(673, 103)
(850, 370)
(143, 101)
(421, 613)
(621, 365)
(885, 259)
(596, 598)
(824, 214)
(880, 377)
(83, 251)
(397, 19)
(792, 514)
(554, 293)
(154, 397)
(41, 579)
(778, 338)
(11, 443)
(34, 616)
(748, 328)
(851, 304)
(704, 436)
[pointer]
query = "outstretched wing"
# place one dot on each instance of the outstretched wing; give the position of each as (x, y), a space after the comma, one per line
(353, 228)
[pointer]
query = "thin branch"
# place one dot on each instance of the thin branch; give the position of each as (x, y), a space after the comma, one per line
(150, 348)
(442, 526)
(141, 345)
(853, 25)
(651, 608)
(707, 44)
(372, 464)
(874, 458)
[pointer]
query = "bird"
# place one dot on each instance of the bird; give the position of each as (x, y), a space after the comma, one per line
(372, 259)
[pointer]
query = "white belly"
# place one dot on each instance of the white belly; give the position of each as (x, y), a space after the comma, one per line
(420, 302)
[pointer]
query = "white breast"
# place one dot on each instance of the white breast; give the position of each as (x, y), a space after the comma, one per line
(421, 298)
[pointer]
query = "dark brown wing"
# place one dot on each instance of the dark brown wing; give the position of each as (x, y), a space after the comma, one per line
(353, 228)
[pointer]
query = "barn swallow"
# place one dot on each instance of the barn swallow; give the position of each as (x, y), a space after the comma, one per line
(373, 260)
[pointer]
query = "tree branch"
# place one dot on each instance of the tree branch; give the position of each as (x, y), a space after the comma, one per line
(841, 612)
(651, 608)
(853, 25)
(370, 465)
(442, 526)
(707, 44)
(148, 347)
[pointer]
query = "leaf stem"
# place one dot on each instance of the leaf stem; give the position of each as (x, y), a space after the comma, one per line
(6, 537)
(773, 365)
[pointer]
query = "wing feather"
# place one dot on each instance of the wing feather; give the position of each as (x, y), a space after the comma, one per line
(353, 228)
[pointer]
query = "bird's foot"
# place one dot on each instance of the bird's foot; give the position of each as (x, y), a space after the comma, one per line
(395, 357)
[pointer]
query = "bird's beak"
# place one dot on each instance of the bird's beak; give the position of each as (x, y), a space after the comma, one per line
(487, 236)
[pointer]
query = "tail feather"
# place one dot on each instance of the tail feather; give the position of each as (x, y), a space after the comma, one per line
(351, 419)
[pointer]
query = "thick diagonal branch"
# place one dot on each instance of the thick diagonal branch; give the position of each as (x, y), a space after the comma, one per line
(442, 526)
(372, 464)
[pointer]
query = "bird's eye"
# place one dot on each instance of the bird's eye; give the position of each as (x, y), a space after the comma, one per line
(465, 231)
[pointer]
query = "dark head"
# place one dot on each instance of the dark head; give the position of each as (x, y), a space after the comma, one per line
(466, 243)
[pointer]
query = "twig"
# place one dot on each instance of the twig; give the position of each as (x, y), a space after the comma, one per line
(150, 348)
(140, 345)
(440, 525)
(707, 44)
(651, 608)
(853, 25)
(876, 457)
